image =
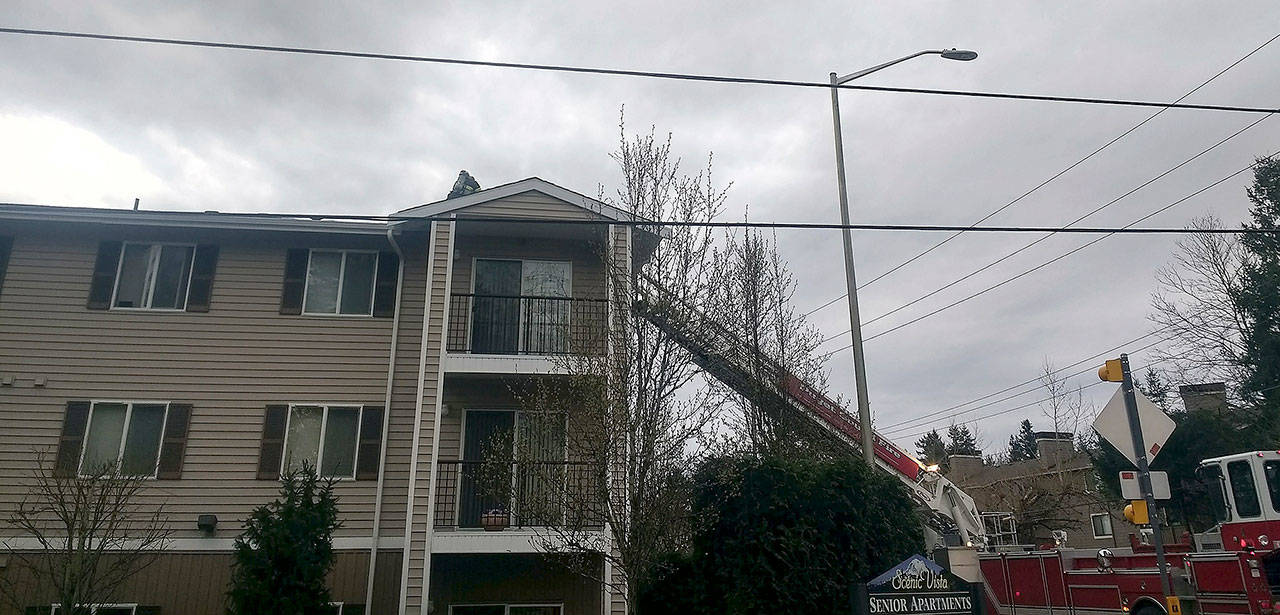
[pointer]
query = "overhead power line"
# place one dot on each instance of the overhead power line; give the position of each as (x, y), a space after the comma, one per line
(928, 419)
(1052, 260)
(624, 72)
(1051, 178)
(924, 228)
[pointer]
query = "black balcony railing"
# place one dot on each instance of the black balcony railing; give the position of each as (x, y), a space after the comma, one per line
(559, 493)
(498, 324)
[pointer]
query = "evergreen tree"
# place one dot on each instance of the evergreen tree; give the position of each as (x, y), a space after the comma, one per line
(286, 550)
(1157, 388)
(1022, 446)
(1260, 299)
(931, 449)
(962, 441)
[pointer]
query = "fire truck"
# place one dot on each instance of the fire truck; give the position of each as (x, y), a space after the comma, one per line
(1233, 571)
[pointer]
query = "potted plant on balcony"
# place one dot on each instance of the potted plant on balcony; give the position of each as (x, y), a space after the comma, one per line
(495, 520)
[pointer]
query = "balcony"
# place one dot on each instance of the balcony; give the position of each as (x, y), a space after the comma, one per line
(561, 493)
(526, 325)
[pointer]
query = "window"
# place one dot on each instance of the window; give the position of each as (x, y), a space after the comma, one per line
(1101, 525)
(1243, 489)
(103, 609)
(123, 436)
(153, 276)
(506, 609)
(1272, 470)
(340, 282)
(521, 306)
(324, 437)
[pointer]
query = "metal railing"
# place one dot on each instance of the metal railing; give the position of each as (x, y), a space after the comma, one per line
(512, 324)
(470, 494)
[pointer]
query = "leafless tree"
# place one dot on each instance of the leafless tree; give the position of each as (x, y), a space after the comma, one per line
(1197, 308)
(754, 288)
(79, 537)
(1064, 406)
(628, 420)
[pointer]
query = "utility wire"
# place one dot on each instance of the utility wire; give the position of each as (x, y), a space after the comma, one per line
(1095, 230)
(623, 72)
(1033, 380)
(928, 419)
(1087, 386)
(1051, 178)
(1053, 260)
(1046, 237)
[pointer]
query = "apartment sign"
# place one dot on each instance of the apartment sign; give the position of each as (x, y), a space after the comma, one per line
(917, 587)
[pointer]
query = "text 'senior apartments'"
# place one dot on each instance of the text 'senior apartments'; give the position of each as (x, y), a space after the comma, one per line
(211, 352)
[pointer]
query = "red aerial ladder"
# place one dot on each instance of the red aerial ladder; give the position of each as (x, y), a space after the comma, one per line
(1238, 574)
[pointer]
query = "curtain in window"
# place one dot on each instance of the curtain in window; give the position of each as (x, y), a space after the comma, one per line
(302, 443)
(322, 282)
(142, 442)
(495, 308)
(131, 287)
(546, 316)
(102, 444)
(340, 443)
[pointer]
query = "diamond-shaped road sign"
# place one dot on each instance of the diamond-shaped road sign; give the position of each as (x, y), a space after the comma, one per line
(1113, 425)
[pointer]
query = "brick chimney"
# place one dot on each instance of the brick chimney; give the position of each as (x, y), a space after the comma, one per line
(1209, 396)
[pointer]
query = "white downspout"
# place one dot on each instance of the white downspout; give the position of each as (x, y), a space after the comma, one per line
(386, 422)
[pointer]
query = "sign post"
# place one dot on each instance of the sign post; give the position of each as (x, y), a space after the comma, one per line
(918, 586)
(1139, 456)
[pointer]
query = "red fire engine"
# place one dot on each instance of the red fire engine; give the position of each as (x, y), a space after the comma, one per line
(1234, 577)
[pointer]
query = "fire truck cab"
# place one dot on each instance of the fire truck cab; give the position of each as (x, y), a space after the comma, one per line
(1245, 491)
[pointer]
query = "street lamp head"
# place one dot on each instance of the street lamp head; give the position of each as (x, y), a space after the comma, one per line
(964, 55)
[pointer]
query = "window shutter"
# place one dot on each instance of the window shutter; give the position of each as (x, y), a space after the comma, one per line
(384, 288)
(104, 275)
(295, 280)
(69, 445)
(369, 454)
(273, 426)
(6, 247)
(174, 445)
(203, 265)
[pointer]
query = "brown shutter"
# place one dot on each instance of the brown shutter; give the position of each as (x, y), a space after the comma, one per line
(203, 264)
(104, 275)
(369, 454)
(174, 446)
(384, 288)
(73, 426)
(270, 456)
(6, 246)
(295, 280)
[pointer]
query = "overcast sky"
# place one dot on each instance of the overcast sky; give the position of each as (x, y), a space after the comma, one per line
(95, 123)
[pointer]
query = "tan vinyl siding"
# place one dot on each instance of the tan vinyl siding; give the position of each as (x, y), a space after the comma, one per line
(424, 457)
(205, 578)
(229, 363)
(529, 204)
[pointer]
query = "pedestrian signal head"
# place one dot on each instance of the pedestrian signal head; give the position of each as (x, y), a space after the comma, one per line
(1112, 371)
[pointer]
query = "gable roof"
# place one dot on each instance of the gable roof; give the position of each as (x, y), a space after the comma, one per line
(532, 184)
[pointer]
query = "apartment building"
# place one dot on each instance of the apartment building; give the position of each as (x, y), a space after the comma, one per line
(211, 352)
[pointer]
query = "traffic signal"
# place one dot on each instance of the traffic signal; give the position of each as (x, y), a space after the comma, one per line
(1136, 512)
(1112, 371)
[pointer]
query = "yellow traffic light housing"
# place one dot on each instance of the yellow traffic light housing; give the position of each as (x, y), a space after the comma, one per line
(1111, 372)
(1136, 512)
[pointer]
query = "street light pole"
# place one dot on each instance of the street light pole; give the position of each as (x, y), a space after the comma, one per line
(850, 279)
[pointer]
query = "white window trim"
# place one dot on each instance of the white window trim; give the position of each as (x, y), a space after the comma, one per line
(506, 607)
(124, 434)
(324, 425)
(148, 283)
(93, 609)
(520, 341)
(342, 273)
(1094, 528)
